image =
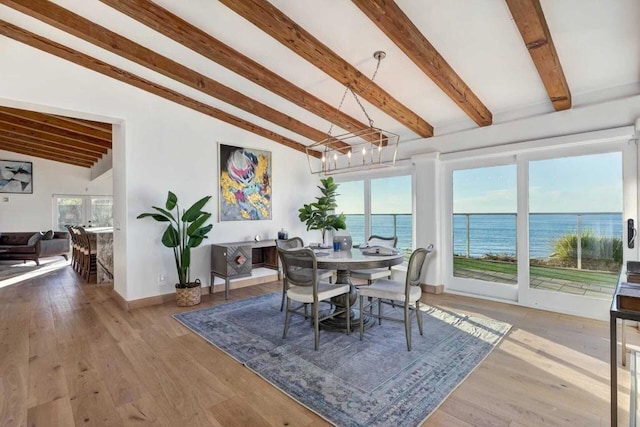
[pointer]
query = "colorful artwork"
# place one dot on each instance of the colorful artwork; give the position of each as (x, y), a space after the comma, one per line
(245, 183)
(16, 177)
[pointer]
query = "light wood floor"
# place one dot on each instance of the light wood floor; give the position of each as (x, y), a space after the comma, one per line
(70, 357)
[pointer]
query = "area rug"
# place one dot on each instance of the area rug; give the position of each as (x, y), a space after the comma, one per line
(374, 382)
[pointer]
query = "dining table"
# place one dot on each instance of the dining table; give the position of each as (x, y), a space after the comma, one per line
(344, 261)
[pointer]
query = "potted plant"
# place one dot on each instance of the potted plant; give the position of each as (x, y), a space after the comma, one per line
(320, 215)
(183, 233)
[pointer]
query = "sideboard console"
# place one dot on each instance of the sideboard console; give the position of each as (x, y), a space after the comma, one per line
(237, 259)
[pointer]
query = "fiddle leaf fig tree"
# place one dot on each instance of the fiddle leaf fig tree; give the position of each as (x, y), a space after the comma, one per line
(320, 215)
(183, 232)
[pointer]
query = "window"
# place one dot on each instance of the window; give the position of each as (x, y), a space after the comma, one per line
(484, 224)
(87, 211)
(380, 206)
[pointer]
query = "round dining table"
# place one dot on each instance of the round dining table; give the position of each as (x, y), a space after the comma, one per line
(343, 262)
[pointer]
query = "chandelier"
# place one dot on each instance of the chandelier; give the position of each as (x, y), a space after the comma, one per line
(366, 149)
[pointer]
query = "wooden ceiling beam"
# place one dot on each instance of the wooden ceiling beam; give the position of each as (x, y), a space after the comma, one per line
(16, 33)
(72, 23)
(279, 26)
(44, 155)
(34, 151)
(190, 36)
(14, 137)
(59, 134)
(531, 23)
(106, 127)
(393, 22)
(49, 147)
(51, 120)
(46, 137)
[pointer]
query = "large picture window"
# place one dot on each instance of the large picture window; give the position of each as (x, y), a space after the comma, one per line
(87, 211)
(379, 206)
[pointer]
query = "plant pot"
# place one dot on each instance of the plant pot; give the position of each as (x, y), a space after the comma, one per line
(191, 295)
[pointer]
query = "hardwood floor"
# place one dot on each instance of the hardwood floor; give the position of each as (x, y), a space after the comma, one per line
(69, 356)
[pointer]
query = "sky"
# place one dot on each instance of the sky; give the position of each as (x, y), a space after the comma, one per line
(590, 183)
(388, 195)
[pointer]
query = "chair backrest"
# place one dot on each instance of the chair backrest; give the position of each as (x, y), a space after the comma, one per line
(294, 242)
(390, 242)
(300, 266)
(416, 264)
(85, 241)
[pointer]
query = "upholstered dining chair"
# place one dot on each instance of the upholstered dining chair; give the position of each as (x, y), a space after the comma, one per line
(304, 287)
(292, 243)
(406, 294)
(371, 274)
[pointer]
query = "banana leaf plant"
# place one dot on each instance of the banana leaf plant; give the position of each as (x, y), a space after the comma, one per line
(183, 233)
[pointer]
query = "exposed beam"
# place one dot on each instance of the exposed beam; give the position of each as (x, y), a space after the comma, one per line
(50, 147)
(532, 25)
(72, 23)
(9, 30)
(388, 16)
(107, 127)
(42, 136)
(47, 156)
(54, 121)
(41, 151)
(60, 134)
(92, 151)
(275, 23)
(190, 36)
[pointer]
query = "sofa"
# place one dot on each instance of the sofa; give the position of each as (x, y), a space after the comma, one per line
(31, 246)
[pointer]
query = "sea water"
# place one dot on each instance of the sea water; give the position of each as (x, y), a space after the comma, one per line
(494, 233)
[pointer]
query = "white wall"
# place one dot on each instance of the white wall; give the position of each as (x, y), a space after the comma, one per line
(158, 146)
(34, 212)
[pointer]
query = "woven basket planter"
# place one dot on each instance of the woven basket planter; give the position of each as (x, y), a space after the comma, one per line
(186, 297)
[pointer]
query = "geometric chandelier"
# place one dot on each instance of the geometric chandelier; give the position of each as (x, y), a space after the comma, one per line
(366, 149)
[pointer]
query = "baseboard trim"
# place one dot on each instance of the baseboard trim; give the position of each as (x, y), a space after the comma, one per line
(161, 299)
(432, 289)
(119, 300)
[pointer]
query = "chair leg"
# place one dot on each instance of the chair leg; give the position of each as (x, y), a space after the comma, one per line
(284, 295)
(316, 326)
(407, 325)
(348, 314)
(286, 319)
(419, 316)
(361, 317)
(380, 311)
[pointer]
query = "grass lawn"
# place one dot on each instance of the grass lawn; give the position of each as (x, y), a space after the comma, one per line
(573, 275)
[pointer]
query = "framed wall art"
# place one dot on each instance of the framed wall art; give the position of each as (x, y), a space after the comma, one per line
(245, 183)
(16, 177)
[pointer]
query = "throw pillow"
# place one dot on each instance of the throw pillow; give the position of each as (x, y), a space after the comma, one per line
(48, 235)
(34, 239)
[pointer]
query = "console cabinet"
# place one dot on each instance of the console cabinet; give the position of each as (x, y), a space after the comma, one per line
(237, 259)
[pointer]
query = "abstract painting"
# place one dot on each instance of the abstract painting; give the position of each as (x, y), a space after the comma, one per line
(16, 177)
(245, 183)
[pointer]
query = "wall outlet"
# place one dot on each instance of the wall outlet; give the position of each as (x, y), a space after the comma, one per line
(162, 280)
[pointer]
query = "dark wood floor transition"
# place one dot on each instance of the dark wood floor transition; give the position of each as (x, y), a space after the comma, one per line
(69, 356)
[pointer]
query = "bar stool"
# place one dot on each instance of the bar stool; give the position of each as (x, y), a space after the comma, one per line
(89, 261)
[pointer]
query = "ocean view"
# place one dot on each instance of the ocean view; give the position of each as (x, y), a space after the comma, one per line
(494, 233)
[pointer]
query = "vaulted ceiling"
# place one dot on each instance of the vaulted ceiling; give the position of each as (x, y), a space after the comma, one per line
(279, 68)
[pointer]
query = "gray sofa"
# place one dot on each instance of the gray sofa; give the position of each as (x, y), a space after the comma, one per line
(26, 246)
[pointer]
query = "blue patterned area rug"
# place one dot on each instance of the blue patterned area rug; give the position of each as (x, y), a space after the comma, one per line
(374, 382)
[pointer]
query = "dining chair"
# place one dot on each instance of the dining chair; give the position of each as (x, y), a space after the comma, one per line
(304, 287)
(89, 256)
(371, 274)
(406, 294)
(292, 243)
